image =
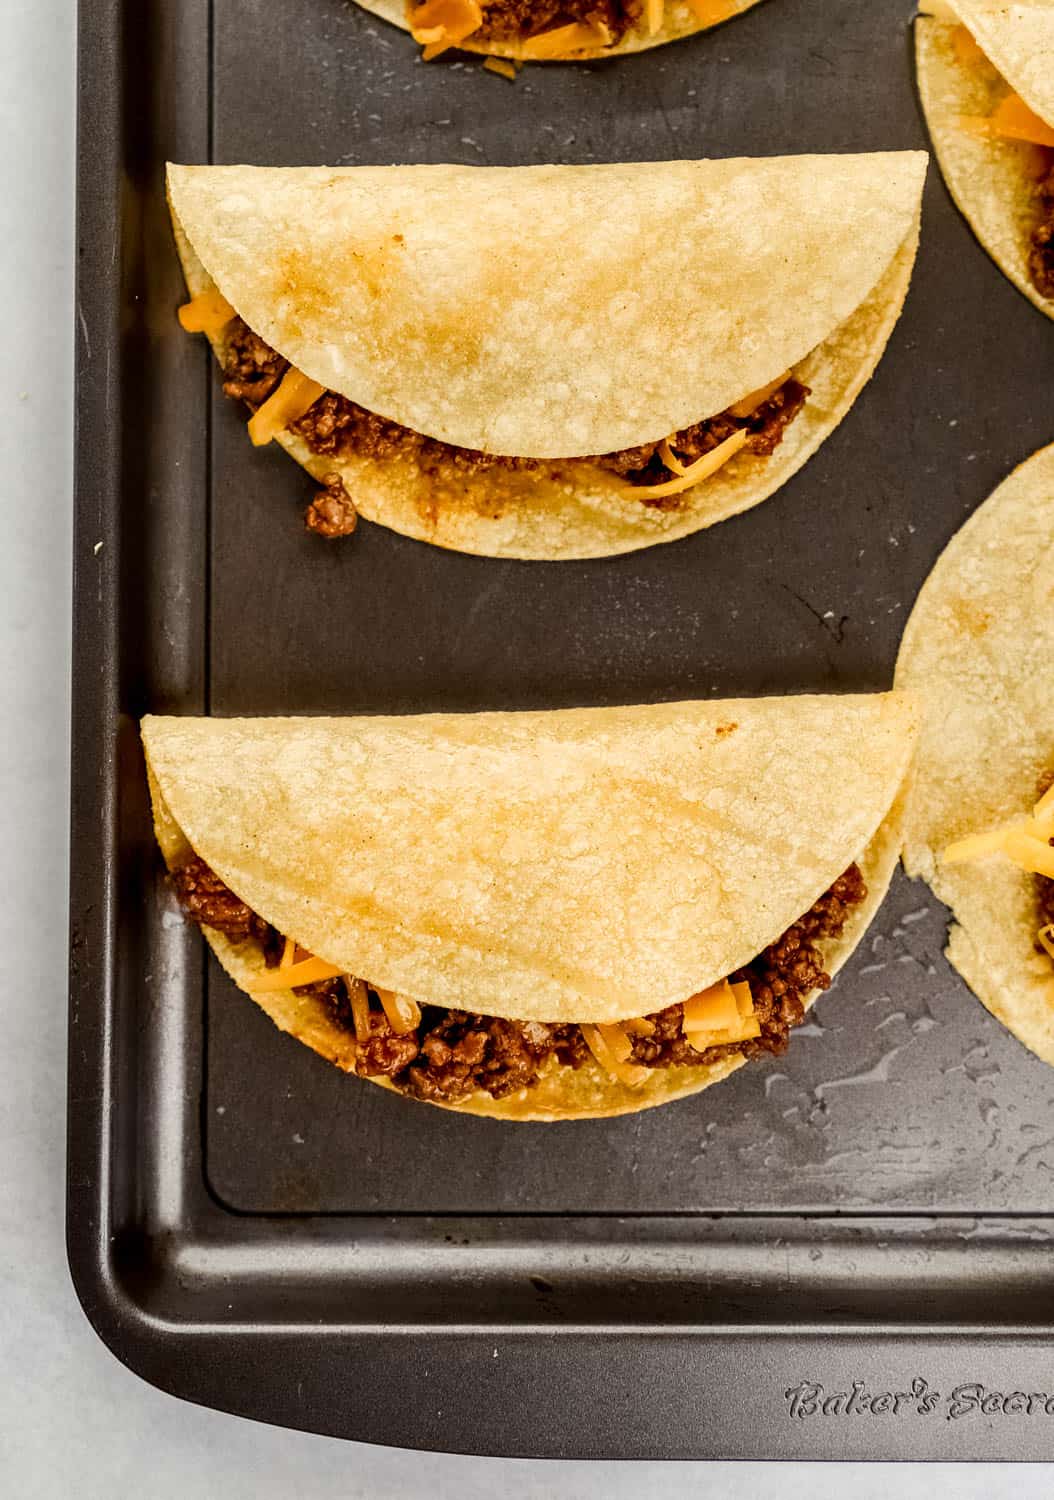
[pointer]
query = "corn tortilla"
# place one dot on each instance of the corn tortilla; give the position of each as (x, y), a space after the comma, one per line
(428, 295)
(579, 865)
(975, 652)
(994, 182)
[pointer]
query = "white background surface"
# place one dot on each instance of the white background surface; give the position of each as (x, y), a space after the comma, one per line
(72, 1420)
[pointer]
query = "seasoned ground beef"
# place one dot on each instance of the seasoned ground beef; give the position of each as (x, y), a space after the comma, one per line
(251, 368)
(335, 427)
(780, 978)
(454, 1053)
(331, 513)
(1041, 254)
(511, 20)
(207, 901)
(765, 427)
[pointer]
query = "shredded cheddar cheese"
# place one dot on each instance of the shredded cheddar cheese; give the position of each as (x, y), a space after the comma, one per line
(966, 48)
(308, 971)
(207, 313)
(296, 395)
(653, 11)
(638, 1026)
(564, 40)
(670, 459)
(1045, 938)
(713, 12)
(1025, 841)
(1038, 828)
(403, 1015)
(1011, 121)
(360, 1007)
(288, 954)
(714, 1009)
(720, 1016)
(749, 404)
(693, 474)
(1030, 853)
(596, 1039)
(503, 66)
(440, 24)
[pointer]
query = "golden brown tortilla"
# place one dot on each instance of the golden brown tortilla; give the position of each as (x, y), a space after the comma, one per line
(994, 182)
(443, 298)
(679, 20)
(588, 864)
(976, 653)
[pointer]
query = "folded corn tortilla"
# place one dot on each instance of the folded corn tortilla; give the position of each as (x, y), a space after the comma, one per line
(554, 312)
(582, 865)
(679, 19)
(975, 652)
(993, 181)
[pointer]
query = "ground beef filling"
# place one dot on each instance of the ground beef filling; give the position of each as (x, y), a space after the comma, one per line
(1041, 253)
(515, 20)
(336, 428)
(332, 512)
(206, 900)
(454, 1053)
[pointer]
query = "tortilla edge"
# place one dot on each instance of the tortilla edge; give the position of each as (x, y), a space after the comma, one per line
(964, 186)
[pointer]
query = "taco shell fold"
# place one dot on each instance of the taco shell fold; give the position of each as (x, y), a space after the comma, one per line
(579, 865)
(553, 312)
(994, 181)
(976, 653)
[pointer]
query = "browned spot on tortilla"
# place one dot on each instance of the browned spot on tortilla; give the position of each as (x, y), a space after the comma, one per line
(723, 730)
(969, 617)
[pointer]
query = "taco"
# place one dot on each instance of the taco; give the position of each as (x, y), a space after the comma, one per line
(548, 362)
(986, 78)
(537, 916)
(980, 819)
(552, 30)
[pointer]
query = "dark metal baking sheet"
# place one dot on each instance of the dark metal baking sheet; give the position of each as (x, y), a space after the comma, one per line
(250, 1229)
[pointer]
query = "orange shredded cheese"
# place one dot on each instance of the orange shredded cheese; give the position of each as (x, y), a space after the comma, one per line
(693, 474)
(308, 971)
(749, 404)
(564, 40)
(713, 12)
(670, 459)
(209, 312)
(1032, 854)
(743, 1031)
(1026, 841)
(713, 1009)
(1043, 812)
(288, 954)
(744, 999)
(638, 1026)
(596, 1039)
(1013, 120)
(360, 1007)
(503, 66)
(440, 24)
(720, 1016)
(653, 12)
(296, 395)
(403, 1015)
(966, 48)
